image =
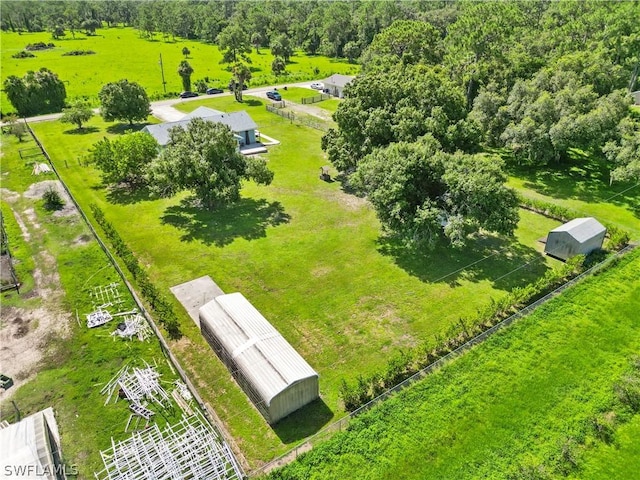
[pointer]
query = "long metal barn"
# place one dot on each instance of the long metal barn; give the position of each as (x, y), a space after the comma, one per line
(274, 376)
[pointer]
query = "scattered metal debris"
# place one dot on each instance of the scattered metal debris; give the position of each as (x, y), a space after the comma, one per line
(133, 325)
(97, 318)
(106, 296)
(189, 449)
(137, 385)
(39, 168)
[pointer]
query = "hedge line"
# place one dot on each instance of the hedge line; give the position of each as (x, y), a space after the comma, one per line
(404, 364)
(160, 305)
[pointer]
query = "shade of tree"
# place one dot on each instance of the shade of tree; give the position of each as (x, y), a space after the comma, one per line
(125, 160)
(78, 113)
(278, 66)
(36, 92)
(124, 100)
(185, 70)
(204, 158)
(624, 153)
(422, 194)
(234, 43)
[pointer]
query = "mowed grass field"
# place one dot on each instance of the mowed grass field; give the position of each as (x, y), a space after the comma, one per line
(530, 402)
(122, 53)
(311, 258)
(77, 364)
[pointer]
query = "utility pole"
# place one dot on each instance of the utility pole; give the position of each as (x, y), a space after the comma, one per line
(164, 84)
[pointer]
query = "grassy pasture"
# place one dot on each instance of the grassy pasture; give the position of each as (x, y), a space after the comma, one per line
(312, 260)
(582, 184)
(74, 368)
(521, 405)
(121, 53)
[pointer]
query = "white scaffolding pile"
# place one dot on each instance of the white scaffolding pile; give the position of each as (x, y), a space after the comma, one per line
(106, 296)
(133, 325)
(190, 449)
(137, 384)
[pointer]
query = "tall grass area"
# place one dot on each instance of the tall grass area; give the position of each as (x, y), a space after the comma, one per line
(121, 53)
(538, 400)
(77, 364)
(311, 258)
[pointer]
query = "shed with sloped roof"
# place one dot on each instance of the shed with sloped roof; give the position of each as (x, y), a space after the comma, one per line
(271, 372)
(577, 237)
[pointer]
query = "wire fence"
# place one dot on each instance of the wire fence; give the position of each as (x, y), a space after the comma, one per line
(305, 120)
(206, 408)
(341, 424)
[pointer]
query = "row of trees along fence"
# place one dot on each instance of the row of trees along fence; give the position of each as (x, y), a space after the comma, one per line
(315, 98)
(158, 302)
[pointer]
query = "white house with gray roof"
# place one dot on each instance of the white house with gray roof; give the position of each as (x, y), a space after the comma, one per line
(336, 83)
(577, 237)
(240, 123)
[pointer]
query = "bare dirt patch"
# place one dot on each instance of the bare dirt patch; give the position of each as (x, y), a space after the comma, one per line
(9, 195)
(37, 190)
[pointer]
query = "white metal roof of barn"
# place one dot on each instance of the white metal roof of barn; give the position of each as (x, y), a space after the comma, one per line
(582, 229)
(236, 121)
(258, 349)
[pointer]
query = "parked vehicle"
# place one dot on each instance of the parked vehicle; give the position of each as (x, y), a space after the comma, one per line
(213, 91)
(188, 94)
(317, 86)
(274, 95)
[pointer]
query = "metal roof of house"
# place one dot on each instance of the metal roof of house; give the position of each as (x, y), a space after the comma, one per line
(582, 229)
(258, 349)
(202, 112)
(236, 121)
(338, 80)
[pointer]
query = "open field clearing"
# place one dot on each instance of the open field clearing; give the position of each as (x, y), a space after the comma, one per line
(310, 257)
(121, 53)
(532, 401)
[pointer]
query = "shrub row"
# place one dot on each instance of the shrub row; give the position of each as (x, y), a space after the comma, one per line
(76, 53)
(23, 54)
(159, 303)
(39, 46)
(618, 238)
(405, 364)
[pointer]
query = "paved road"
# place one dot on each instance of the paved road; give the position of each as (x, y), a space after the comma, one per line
(163, 109)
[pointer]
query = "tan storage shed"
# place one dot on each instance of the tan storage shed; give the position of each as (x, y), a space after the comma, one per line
(579, 236)
(274, 376)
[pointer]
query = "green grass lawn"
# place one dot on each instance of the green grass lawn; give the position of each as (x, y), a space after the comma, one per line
(121, 53)
(521, 405)
(74, 368)
(311, 258)
(296, 94)
(582, 184)
(330, 104)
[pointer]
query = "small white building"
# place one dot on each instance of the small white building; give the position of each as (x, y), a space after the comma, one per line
(577, 237)
(636, 97)
(270, 371)
(335, 84)
(30, 448)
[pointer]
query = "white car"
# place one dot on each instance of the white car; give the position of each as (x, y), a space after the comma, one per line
(317, 86)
